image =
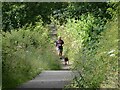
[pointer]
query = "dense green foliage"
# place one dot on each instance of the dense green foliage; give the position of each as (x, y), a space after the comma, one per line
(98, 66)
(26, 52)
(93, 47)
(17, 15)
(89, 30)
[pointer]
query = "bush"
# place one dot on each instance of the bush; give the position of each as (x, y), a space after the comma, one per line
(25, 53)
(99, 67)
(93, 51)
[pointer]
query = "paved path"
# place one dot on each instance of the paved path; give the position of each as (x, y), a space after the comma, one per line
(50, 79)
(53, 79)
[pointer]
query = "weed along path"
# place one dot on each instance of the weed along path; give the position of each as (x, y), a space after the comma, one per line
(54, 79)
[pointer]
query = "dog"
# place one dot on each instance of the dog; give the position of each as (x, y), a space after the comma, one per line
(66, 60)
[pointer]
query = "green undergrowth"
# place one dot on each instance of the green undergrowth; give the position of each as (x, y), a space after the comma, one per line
(25, 53)
(94, 51)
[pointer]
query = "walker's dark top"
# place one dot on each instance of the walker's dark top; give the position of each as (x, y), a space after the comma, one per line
(59, 43)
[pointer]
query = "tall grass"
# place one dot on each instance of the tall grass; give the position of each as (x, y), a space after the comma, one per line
(95, 60)
(25, 53)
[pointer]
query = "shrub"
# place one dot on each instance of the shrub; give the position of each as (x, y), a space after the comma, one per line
(93, 51)
(25, 53)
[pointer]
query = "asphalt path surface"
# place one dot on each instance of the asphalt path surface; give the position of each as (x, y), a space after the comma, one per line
(51, 79)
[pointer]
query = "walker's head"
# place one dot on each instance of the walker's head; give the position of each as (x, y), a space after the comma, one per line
(59, 37)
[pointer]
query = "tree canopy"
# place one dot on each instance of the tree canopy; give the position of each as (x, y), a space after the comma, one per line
(17, 15)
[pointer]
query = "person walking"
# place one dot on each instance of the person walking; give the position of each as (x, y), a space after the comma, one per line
(59, 46)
